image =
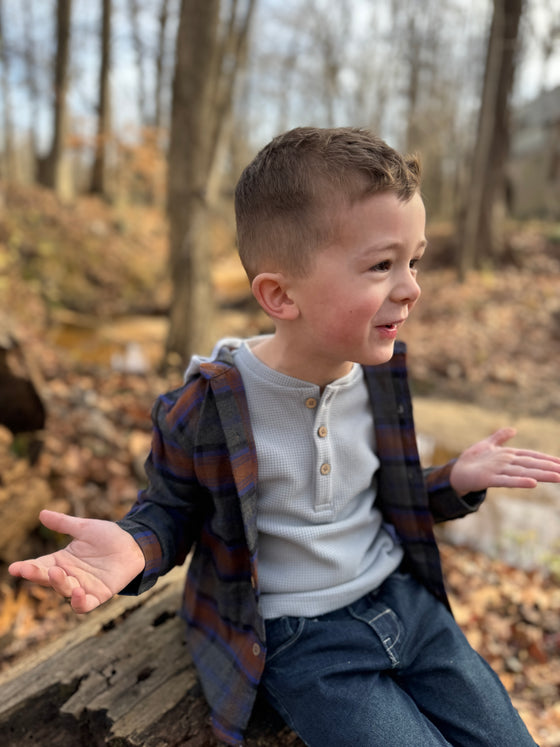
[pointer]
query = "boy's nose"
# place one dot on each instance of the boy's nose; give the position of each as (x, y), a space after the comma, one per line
(408, 290)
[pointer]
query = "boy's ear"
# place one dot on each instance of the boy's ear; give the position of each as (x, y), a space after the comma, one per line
(271, 290)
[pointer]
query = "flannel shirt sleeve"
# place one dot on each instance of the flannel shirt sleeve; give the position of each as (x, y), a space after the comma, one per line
(167, 515)
(445, 503)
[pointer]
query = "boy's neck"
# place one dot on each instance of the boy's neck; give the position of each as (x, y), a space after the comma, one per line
(285, 357)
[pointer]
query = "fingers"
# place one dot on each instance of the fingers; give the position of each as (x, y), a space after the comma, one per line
(552, 462)
(61, 582)
(525, 467)
(533, 473)
(499, 437)
(531, 465)
(45, 575)
(31, 570)
(57, 579)
(525, 470)
(82, 602)
(36, 569)
(514, 481)
(534, 460)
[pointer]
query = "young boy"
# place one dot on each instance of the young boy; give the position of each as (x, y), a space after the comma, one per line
(293, 456)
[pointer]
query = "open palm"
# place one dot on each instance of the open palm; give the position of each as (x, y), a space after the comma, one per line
(489, 464)
(100, 560)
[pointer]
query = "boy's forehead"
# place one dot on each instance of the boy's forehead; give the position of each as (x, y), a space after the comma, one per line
(380, 219)
(337, 211)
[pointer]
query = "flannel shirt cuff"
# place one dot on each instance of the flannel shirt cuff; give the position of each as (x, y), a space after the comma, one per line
(445, 503)
(150, 546)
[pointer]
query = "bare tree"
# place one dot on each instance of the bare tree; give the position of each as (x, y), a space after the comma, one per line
(329, 31)
(163, 17)
(545, 36)
(486, 192)
(98, 181)
(407, 24)
(150, 116)
(7, 124)
(31, 70)
(140, 55)
(49, 168)
(209, 51)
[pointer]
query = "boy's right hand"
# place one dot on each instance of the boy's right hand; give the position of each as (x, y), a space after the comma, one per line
(99, 562)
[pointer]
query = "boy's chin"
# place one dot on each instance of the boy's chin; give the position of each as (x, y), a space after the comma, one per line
(379, 356)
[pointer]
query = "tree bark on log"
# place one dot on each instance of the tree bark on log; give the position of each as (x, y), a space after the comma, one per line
(122, 678)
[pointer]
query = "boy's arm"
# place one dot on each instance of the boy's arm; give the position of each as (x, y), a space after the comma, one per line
(167, 516)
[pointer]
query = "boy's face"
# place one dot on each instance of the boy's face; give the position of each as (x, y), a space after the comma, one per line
(361, 287)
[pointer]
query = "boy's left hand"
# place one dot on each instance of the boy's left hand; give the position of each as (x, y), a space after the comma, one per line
(490, 464)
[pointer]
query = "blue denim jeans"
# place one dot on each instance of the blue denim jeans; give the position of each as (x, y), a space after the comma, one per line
(391, 670)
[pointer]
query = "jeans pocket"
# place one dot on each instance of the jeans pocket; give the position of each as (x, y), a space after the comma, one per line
(388, 628)
(281, 634)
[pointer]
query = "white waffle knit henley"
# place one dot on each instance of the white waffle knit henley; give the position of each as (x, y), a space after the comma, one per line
(321, 540)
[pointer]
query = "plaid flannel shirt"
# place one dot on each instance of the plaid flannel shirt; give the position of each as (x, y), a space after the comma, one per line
(202, 491)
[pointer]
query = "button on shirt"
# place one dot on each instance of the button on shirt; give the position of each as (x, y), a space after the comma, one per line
(321, 540)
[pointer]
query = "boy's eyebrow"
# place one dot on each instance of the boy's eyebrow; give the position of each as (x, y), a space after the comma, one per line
(379, 249)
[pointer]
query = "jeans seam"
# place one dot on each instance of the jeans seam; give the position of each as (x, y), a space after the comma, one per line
(289, 642)
(276, 702)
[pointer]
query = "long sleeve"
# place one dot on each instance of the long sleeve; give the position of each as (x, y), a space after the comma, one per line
(445, 503)
(167, 514)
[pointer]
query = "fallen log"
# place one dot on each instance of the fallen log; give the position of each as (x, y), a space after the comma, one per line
(122, 678)
(21, 406)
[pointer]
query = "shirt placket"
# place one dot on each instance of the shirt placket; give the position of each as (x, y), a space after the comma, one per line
(323, 454)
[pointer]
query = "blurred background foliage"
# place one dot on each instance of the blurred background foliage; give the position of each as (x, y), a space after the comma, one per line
(161, 103)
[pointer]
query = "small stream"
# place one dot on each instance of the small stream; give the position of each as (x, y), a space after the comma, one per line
(133, 344)
(520, 527)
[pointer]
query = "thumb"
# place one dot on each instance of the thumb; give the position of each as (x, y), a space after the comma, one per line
(499, 437)
(59, 522)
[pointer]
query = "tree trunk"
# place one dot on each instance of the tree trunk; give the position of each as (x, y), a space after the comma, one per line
(7, 170)
(478, 229)
(206, 67)
(188, 155)
(413, 84)
(98, 180)
(49, 168)
(162, 20)
(139, 53)
(31, 74)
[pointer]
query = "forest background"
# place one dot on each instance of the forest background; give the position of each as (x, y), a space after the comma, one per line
(125, 124)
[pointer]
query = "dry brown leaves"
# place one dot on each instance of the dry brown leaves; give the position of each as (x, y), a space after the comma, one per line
(512, 618)
(494, 340)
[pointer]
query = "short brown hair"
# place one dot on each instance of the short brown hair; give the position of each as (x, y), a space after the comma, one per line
(286, 197)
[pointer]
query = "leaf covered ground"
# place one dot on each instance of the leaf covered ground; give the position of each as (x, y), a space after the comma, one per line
(493, 340)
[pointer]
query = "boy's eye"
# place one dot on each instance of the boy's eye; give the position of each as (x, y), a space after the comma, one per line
(382, 266)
